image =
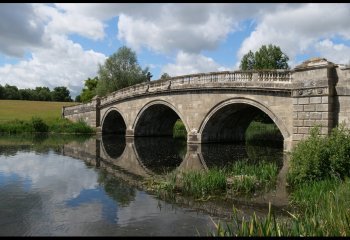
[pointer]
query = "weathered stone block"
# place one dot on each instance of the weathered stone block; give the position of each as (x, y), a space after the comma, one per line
(303, 115)
(298, 108)
(315, 99)
(315, 115)
(322, 107)
(305, 100)
(309, 108)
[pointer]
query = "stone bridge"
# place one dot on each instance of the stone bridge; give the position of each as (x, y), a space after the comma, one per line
(219, 106)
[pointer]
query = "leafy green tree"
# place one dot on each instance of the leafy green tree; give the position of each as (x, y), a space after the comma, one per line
(11, 92)
(267, 57)
(120, 70)
(2, 95)
(26, 94)
(77, 99)
(43, 94)
(61, 94)
(89, 91)
(248, 61)
(164, 76)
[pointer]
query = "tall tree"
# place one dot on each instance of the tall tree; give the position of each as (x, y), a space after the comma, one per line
(248, 61)
(11, 92)
(2, 92)
(89, 91)
(120, 70)
(164, 76)
(43, 94)
(267, 57)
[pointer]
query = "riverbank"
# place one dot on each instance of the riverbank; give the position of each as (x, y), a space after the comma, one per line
(38, 125)
(319, 186)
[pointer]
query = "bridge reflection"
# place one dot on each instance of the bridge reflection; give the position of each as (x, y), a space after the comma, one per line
(158, 156)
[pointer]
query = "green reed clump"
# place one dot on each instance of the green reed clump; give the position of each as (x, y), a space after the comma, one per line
(179, 130)
(250, 177)
(322, 210)
(255, 226)
(326, 203)
(203, 184)
(239, 178)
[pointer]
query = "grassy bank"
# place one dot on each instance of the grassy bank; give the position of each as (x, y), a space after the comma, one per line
(322, 210)
(320, 192)
(38, 125)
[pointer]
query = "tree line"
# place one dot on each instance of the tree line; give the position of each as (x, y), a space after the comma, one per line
(58, 94)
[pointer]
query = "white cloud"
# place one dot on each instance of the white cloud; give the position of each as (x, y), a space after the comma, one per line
(336, 53)
(64, 64)
(174, 30)
(187, 63)
(66, 22)
(42, 172)
(20, 29)
(297, 29)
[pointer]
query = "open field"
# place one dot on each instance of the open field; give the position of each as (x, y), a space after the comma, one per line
(25, 110)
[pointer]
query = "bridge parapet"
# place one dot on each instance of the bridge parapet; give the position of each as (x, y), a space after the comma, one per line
(269, 80)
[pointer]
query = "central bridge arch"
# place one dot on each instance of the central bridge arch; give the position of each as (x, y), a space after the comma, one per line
(156, 118)
(228, 120)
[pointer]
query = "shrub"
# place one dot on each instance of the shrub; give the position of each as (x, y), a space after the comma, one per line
(319, 158)
(39, 125)
(339, 152)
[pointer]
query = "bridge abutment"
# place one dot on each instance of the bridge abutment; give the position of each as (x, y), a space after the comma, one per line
(313, 98)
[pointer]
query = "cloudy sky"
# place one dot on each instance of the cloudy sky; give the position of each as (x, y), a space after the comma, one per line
(62, 44)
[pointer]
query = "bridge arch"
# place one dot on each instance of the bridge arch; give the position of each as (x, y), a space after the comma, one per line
(157, 118)
(228, 120)
(113, 122)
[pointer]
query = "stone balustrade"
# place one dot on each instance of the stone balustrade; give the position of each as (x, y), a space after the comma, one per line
(272, 79)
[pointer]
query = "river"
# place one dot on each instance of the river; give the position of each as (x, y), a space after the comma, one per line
(88, 186)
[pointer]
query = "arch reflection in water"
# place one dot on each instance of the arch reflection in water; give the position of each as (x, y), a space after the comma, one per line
(113, 145)
(160, 155)
(224, 154)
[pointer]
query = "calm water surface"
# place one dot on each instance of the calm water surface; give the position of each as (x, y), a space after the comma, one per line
(69, 186)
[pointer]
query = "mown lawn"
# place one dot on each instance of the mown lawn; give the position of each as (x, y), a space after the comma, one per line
(25, 110)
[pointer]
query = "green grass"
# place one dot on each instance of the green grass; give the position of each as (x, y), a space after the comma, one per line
(241, 178)
(258, 131)
(322, 210)
(319, 182)
(25, 110)
(37, 125)
(18, 116)
(179, 130)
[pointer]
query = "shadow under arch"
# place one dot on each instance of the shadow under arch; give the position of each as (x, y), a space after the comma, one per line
(228, 120)
(113, 122)
(157, 118)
